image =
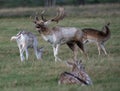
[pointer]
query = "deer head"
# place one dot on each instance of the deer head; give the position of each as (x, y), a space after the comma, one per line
(76, 65)
(40, 52)
(106, 27)
(42, 24)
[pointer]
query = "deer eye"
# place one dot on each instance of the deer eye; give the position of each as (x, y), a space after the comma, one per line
(38, 25)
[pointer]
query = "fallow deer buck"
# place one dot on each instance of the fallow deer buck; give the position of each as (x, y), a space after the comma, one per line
(26, 40)
(59, 35)
(98, 37)
(76, 76)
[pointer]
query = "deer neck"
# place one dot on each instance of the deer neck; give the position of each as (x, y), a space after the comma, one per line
(47, 34)
(45, 30)
(106, 32)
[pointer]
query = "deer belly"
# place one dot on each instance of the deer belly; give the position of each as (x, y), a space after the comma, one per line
(91, 39)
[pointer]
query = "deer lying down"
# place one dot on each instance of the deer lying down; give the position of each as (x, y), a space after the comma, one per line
(77, 76)
(98, 37)
(24, 41)
(60, 35)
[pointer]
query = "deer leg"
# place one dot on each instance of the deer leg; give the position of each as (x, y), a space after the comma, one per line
(21, 52)
(55, 50)
(36, 49)
(57, 53)
(27, 54)
(81, 46)
(73, 47)
(54, 53)
(103, 48)
(99, 48)
(36, 52)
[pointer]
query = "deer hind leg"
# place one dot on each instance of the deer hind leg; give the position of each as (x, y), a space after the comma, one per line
(103, 48)
(36, 52)
(55, 50)
(81, 46)
(27, 54)
(99, 48)
(74, 48)
(36, 49)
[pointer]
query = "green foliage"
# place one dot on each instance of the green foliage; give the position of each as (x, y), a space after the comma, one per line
(20, 3)
(34, 75)
(99, 10)
(33, 3)
(101, 1)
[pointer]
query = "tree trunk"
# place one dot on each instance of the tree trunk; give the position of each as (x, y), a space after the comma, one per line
(81, 2)
(50, 2)
(54, 3)
(46, 2)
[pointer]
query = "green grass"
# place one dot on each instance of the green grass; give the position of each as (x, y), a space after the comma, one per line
(34, 75)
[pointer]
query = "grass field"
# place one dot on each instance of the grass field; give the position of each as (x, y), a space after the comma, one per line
(34, 75)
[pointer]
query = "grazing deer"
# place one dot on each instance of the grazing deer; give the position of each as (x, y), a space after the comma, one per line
(25, 40)
(59, 35)
(98, 37)
(77, 76)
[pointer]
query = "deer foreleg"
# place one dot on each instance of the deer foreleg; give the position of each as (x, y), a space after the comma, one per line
(55, 50)
(36, 52)
(21, 53)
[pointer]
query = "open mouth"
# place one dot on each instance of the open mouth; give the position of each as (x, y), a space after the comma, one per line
(37, 29)
(37, 26)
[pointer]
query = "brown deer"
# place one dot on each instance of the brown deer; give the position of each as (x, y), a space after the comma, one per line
(76, 76)
(59, 35)
(98, 37)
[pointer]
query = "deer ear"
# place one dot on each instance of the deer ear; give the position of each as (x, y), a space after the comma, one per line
(108, 24)
(34, 22)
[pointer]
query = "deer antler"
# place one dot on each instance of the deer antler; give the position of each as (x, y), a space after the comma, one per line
(43, 18)
(60, 15)
(36, 18)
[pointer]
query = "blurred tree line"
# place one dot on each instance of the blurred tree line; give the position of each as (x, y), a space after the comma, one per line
(33, 3)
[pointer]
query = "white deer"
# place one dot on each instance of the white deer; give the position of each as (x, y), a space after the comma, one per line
(76, 76)
(25, 40)
(98, 37)
(60, 35)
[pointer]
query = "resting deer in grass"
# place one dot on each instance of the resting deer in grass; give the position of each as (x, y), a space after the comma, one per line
(25, 40)
(98, 37)
(77, 76)
(59, 35)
